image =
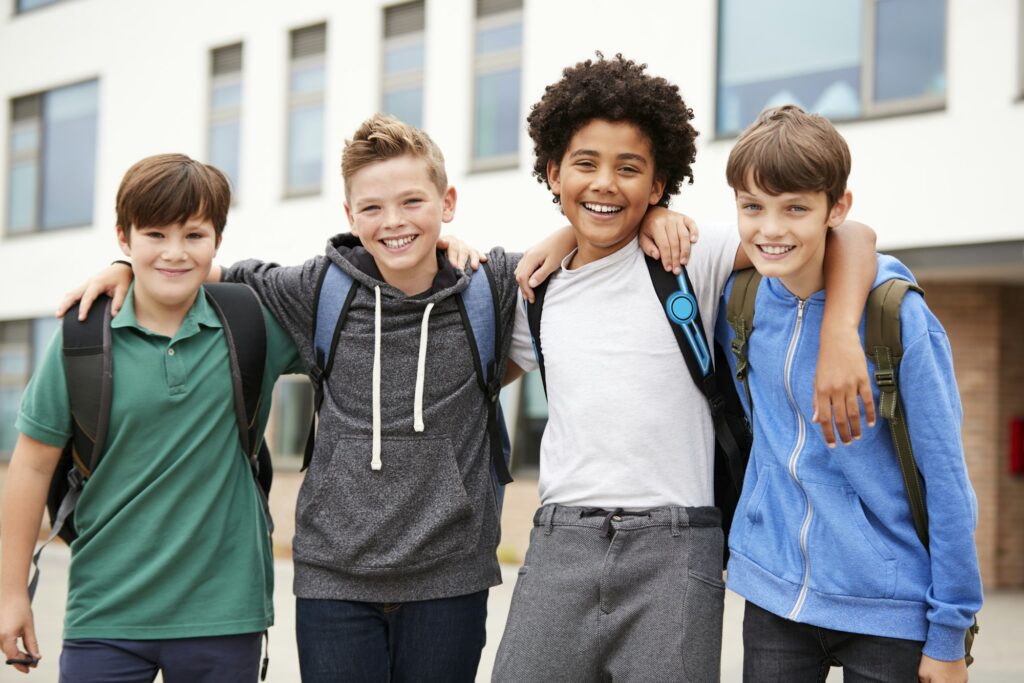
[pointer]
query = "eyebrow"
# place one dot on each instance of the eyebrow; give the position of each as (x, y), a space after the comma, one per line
(626, 156)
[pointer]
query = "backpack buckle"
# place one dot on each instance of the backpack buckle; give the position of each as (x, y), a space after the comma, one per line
(492, 390)
(885, 379)
(75, 478)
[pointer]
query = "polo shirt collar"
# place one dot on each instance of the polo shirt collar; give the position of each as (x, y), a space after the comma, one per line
(200, 314)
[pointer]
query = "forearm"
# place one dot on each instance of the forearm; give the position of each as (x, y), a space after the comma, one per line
(850, 267)
(24, 499)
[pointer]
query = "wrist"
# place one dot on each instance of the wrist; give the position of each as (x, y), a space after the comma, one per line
(122, 262)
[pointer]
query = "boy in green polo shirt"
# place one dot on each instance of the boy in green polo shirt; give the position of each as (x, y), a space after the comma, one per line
(172, 568)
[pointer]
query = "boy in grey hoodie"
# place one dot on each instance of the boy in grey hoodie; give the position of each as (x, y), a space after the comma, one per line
(397, 520)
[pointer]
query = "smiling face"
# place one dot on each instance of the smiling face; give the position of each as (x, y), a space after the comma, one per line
(396, 211)
(784, 235)
(170, 263)
(605, 182)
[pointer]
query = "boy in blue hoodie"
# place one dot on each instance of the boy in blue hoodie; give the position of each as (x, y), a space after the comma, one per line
(823, 546)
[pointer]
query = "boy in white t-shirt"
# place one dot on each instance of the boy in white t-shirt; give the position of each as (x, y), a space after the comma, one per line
(623, 576)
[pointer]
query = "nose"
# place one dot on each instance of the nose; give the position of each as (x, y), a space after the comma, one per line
(392, 217)
(772, 227)
(174, 248)
(604, 180)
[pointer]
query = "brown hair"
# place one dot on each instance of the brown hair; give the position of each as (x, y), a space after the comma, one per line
(169, 189)
(789, 150)
(382, 137)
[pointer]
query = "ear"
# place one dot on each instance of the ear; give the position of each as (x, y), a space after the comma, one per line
(839, 210)
(555, 176)
(123, 241)
(448, 205)
(351, 221)
(657, 189)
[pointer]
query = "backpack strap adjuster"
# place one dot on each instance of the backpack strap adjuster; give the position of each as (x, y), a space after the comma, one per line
(886, 380)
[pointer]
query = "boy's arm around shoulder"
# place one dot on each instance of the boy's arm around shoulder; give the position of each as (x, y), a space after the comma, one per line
(288, 292)
(841, 377)
(934, 417)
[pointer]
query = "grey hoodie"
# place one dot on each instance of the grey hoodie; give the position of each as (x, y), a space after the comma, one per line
(425, 524)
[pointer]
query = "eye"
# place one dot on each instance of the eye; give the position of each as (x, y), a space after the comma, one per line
(195, 236)
(414, 200)
(153, 234)
(585, 164)
(799, 209)
(750, 206)
(369, 208)
(629, 170)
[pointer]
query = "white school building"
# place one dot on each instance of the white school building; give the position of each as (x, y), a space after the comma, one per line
(928, 93)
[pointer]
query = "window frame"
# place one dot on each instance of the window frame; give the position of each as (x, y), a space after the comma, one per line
(403, 80)
(870, 109)
(17, 11)
(491, 63)
(298, 101)
(31, 345)
(39, 153)
(225, 114)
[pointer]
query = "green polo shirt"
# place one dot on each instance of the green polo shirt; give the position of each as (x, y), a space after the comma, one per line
(172, 538)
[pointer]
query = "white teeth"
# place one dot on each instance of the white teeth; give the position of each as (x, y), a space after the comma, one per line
(398, 243)
(601, 208)
(775, 250)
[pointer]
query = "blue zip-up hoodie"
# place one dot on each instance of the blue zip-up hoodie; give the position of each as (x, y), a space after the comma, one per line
(825, 536)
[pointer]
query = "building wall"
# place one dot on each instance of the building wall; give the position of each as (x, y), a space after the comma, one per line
(985, 324)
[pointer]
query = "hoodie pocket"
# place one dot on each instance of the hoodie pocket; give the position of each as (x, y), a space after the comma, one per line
(848, 557)
(773, 519)
(411, 512)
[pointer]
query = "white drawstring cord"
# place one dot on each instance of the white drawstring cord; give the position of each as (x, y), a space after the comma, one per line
(420, 368)
(375, 462)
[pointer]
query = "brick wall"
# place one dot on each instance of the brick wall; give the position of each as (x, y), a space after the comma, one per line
(986, 326)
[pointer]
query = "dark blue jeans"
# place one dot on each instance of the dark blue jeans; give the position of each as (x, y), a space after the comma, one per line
(428, 640)
(777, 650)
(214, 659)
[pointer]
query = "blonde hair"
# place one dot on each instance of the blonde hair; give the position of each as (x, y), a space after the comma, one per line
(383, 137)
(789, 150)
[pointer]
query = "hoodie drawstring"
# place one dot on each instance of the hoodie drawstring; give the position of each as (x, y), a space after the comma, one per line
(420, 367)
(375, 463)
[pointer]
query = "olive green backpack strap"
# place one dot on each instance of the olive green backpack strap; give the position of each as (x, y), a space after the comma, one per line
(884, 346)
(739, 312)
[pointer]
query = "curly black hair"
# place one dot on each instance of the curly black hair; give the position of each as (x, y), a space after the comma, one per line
(615, 90)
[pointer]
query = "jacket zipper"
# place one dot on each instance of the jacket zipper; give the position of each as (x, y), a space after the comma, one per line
(794, 457)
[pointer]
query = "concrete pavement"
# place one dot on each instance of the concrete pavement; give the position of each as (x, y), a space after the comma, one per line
(997, 649)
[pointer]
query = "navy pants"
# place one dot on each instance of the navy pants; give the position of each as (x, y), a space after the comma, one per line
(216, 659)
(423, 641)
(776, 650)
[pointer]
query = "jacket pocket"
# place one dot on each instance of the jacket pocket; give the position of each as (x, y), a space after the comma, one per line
(774, 516)
(848, 557)
(412, 512)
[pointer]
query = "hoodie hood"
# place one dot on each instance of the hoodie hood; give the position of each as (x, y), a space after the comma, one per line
(349, 254)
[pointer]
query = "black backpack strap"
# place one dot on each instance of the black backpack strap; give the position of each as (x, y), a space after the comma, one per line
(335, 291)
(533, 313)
(677, 296)
(478, 307)
(245, 332)
(89, 375)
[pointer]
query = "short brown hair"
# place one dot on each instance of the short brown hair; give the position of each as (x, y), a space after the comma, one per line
(168, 189)
(789, 150)
(382, 137)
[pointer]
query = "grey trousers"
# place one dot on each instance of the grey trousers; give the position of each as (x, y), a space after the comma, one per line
(617, 597)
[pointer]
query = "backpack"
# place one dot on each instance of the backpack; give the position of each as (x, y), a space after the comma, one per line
(732, 431)
(478, 306)
(88, 366)
(883, 344)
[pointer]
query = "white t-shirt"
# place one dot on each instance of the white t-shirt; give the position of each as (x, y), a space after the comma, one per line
(627, 427)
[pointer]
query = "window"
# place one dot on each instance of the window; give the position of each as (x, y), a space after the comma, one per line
(1020, 49)
(497, 67)
(22, 344)
(52, 165)
(402, 78)
(226, 111)
(845, 59)
(306, 110)
(26, 5)
(290, 415)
